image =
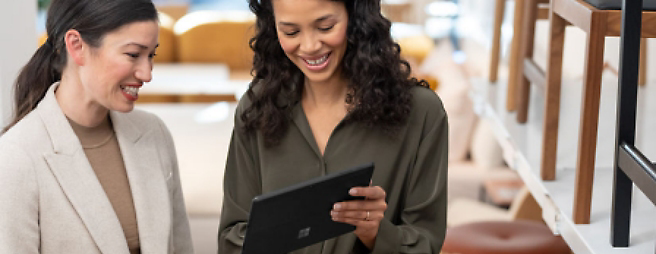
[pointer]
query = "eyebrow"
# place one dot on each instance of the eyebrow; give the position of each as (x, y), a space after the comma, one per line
(322, 18)
(140, 45)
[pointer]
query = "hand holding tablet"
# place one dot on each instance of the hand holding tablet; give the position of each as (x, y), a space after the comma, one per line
(300, 215)
(364, 214)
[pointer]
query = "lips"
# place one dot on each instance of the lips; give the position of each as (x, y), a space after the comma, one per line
(317, 63)
(131, 92)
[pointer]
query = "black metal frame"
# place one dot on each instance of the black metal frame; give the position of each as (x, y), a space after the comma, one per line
(631, 166)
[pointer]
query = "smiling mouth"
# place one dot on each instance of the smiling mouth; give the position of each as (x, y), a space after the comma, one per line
(131, 90)
(317, 62)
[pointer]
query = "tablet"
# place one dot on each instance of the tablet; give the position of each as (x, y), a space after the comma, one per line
(299, 215)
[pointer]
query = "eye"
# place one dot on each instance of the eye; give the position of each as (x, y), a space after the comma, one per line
(291, 34)
(152, 55)
(133, 55)
(325, 29)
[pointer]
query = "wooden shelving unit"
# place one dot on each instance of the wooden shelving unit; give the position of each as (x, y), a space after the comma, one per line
(556, 197)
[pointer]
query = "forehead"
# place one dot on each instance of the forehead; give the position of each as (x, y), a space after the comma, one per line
(298, 11)
(141, 32)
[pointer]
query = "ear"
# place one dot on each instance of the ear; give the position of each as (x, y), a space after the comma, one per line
(75, 46)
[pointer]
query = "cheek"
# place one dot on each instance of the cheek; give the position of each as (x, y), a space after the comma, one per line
(338, 39)
(118, 69)
(287, 45)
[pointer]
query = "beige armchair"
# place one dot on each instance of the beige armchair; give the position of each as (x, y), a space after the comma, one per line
(175, 11)
(166, 49)
(216, 37)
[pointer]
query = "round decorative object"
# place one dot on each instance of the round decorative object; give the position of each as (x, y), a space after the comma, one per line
(503, 237)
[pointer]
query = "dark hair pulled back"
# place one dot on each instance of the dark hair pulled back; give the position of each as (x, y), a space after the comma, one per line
(92, 19)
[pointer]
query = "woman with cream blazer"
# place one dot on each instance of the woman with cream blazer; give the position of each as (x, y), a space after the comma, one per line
(52, 202)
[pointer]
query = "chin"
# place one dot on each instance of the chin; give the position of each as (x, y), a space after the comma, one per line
(321, 76)
(124, 108)
(317, 77)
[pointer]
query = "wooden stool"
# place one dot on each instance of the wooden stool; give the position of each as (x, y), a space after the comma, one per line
(513, 62)
(503, 237)
(598, 24)
(529, 72)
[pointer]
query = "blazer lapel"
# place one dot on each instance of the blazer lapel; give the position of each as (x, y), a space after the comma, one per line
(147, 182)
(71, 167)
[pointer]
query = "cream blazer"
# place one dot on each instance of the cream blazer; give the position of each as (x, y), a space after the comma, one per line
(52, 202)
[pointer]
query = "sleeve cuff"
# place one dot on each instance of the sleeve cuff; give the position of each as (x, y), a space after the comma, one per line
(388, 239)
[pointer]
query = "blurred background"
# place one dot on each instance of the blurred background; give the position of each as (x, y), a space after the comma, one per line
(471, 52)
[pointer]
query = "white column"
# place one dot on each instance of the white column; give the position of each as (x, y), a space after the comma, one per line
(18, 43)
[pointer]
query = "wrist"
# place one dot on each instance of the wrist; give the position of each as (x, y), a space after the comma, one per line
(368, 241)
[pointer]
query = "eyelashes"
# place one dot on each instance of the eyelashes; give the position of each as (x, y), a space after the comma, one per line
(323, 29)
(136, 55)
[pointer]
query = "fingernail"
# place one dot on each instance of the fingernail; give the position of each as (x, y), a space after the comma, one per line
(353, 191)
(338, 206)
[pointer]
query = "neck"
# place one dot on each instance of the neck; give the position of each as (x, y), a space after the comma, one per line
(328, 93)
(76, 105)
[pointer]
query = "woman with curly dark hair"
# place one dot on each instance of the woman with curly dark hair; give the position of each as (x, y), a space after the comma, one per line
(331, 92)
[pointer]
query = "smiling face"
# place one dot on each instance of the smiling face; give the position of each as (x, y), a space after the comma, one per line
(114, 72)
(312, 33)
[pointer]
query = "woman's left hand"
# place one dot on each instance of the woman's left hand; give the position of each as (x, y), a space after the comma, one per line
(365, 214)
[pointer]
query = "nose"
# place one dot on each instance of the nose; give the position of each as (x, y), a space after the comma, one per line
(310, 43)
(144, 71)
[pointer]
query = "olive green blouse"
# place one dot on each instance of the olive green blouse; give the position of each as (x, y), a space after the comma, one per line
(410, 166)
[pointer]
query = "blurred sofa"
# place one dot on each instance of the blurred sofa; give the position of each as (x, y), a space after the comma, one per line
(474, 153)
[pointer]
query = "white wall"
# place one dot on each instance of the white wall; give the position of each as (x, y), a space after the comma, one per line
(18, 43)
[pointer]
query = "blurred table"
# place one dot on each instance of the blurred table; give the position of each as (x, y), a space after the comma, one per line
(189, 82)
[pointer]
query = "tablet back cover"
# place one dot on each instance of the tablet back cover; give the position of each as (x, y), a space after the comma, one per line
(299, 215)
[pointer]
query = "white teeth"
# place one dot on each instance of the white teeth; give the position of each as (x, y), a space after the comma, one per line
(131, 90)
(318, 61)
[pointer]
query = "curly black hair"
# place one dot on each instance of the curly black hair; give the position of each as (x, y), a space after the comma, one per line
(379, 80)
